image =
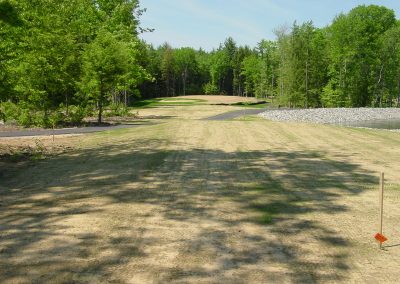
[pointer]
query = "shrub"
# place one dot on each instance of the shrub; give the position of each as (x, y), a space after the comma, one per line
(117, 110)
(29, 118)
(25, 116)
(9, 111)
(210, 89)
(56, 118)
(76, 114)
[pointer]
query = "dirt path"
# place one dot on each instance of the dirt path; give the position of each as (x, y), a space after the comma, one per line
(195, 201)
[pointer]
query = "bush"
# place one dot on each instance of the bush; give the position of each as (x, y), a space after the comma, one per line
(56, 118)
(76, 114)
(29, 118)
(9, 111)
(25, 116)
(117, 110)
(210, 89)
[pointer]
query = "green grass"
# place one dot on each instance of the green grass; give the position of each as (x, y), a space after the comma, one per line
(157, 102)
(266, 219)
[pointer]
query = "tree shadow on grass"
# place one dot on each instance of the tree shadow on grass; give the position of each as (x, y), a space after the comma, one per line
(270, 192)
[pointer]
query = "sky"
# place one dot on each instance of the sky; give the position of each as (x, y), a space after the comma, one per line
(207, 23)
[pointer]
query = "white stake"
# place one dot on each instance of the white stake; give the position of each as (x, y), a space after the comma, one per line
(382, 181)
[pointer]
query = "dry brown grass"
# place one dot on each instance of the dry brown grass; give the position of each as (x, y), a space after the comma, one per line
(192, 201)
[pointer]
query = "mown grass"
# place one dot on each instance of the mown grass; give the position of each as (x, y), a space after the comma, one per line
(159, 102)
(248, 179)
(249, 118)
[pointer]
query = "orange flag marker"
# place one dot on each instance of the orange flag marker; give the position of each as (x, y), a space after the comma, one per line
(380, 238)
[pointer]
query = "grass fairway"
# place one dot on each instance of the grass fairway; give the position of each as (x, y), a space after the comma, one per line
(193, 201)
(166, 102)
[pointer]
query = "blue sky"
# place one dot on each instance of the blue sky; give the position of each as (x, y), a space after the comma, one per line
(206, 23)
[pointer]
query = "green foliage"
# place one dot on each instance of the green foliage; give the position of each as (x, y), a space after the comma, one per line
(168, 70)
(302, 65)
(33, 118)
(210, 89)
(25, 115)
(251, 67)
(117, 110)
(67, 52)
(333, 97)
(354, 54)
(9, 111)
(105, 63)
(76, 114)
(8, 13)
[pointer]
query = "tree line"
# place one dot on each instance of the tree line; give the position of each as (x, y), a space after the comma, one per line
(63, 60)
(353, 62)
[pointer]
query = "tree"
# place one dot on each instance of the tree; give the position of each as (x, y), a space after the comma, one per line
(43, 58)
(387, 75)
(168, 68)
(300, 57)
(251, 72)
(219, 67)
(232, 73)
(10, 24)
(105, 62)
(237, 63)
(186, 65)
(354, 61)
(268, 52)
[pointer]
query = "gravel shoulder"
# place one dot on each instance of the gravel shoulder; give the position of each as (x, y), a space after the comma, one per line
(332, 115)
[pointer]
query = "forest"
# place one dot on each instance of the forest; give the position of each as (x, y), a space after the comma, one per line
(61, 61)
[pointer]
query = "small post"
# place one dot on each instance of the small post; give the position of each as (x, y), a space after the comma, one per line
(53, 139)
(53, 134)
(382, 181)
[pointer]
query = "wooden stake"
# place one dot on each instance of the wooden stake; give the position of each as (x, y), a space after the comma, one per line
(53, 139)
(382, 181)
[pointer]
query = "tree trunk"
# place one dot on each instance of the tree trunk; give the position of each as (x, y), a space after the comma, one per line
(398, 94)
(100, 103)
(377, 94)
(184, 81)
(67, 103)
(307, 84)
(272, 81)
